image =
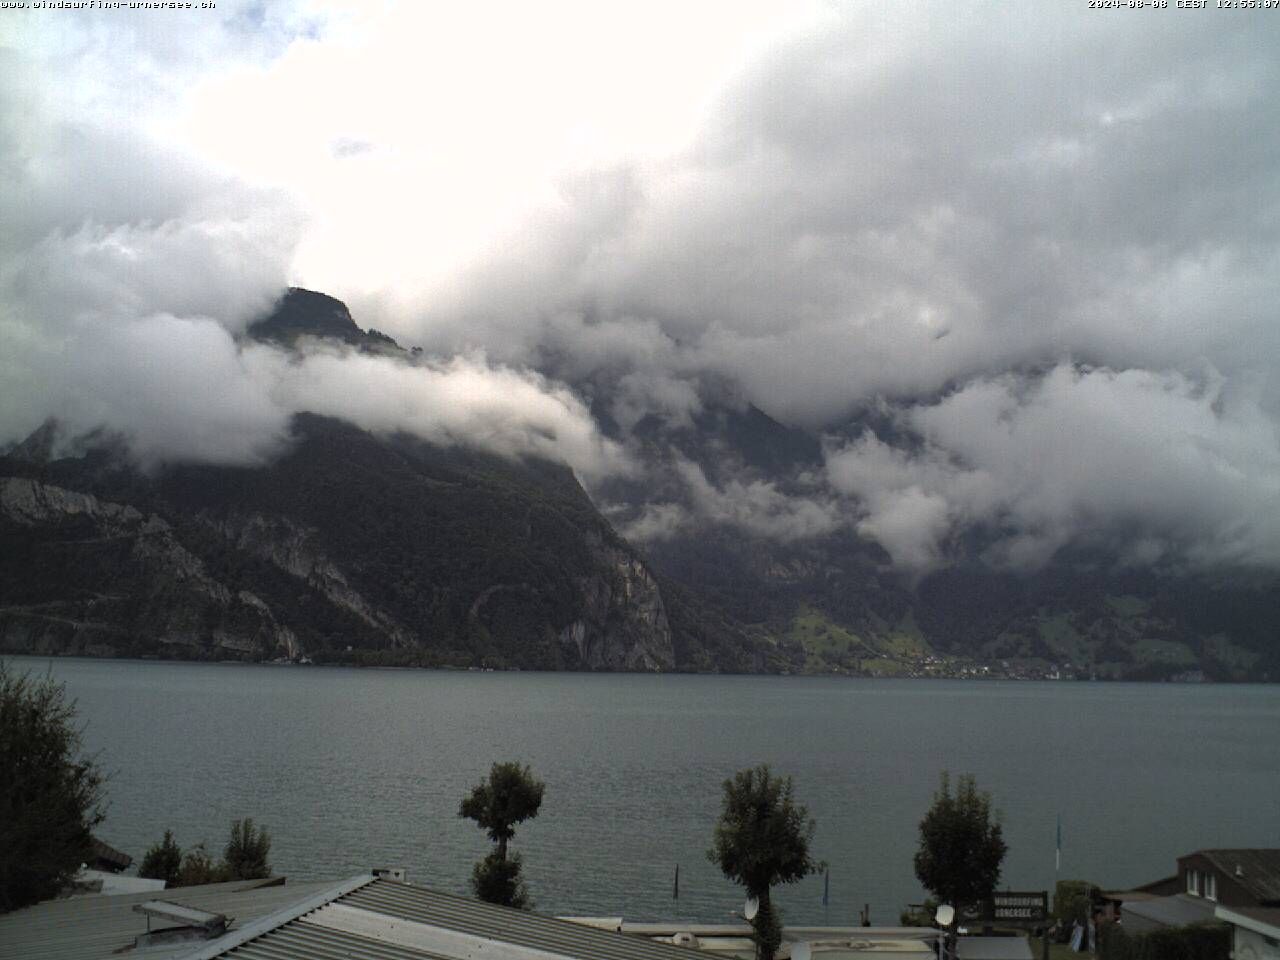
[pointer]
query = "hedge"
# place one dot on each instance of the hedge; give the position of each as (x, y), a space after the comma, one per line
(1199, 942)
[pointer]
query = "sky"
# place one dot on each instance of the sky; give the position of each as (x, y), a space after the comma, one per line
(1042, 241)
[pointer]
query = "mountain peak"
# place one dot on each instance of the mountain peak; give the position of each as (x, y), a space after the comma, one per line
(38, 447)
(303, 312)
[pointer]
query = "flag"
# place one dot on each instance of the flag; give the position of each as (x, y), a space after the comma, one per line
(675, 888)
(1057, 857)
(826, 887)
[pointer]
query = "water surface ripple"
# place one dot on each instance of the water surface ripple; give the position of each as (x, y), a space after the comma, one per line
(355, 768)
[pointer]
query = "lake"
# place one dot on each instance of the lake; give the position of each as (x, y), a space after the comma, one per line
(350, 769)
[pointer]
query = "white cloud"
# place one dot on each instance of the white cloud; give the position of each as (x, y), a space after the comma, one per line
(1153, 465)
(757, 506)
(816, 211)
(464, 400)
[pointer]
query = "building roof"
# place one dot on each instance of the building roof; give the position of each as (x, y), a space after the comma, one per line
(1179, 910)
(993, 948)
(1130, 896)
(368, 918)
(104, 883)
(108, 857)
(96, 928)
(376, 919)
(1263, 920)
(1255, 869)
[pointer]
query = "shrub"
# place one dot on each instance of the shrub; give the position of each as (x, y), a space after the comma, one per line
(1198, 942)
(1072, 902)
(198, 868)
(496, 879)
(162, 861)
(246, 852)
(243, 858)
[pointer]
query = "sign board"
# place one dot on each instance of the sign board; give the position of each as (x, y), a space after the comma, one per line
(1011, 907)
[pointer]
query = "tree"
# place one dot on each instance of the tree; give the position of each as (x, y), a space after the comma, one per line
(1073, 902)
(511, 795)
(245, 854)
(762, 839)
(961, 846)
(50, 795)
(162, 861)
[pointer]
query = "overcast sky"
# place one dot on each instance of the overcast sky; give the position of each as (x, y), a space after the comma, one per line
(1044, 240)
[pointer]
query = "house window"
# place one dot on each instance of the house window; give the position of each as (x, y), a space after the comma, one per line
(1211, 886)
(1193, 883)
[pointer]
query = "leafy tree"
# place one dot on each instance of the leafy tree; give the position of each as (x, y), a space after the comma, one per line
(1073, 901)
(162, 861)
(509, 796)
(245, 854)
(961, 846)
(762, 839)
(50, 795)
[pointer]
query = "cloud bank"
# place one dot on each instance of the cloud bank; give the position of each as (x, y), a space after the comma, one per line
(131, 268)
(1044, 246)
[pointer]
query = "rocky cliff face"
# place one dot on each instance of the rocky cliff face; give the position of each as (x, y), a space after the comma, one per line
(624, 623)
(90, 576)
(295, 550)
(349, 547)
(107, 574)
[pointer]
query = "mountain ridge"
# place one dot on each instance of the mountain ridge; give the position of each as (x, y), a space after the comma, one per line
(347, 547)
(351, 546)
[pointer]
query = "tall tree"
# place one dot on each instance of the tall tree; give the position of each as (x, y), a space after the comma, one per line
(961, 847)
(761, 840)
(509, 796)
(50, 795)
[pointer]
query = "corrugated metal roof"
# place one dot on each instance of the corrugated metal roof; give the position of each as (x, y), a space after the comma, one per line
(94, 928)
(386, 920)
(356, 919)
(298, 940)
(789, 933)
(500, 923)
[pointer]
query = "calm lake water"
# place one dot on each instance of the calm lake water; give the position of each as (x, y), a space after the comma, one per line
(355, 768)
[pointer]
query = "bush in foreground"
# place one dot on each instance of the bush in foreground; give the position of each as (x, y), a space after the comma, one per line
(50, 795)
(243, 858)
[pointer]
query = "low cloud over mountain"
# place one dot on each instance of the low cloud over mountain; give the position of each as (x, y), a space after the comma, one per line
(1018, 267)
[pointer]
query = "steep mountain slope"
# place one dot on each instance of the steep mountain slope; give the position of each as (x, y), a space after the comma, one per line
(353, 546)
(836, 597)
(349, 546)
